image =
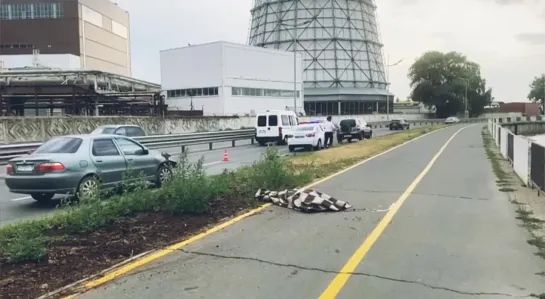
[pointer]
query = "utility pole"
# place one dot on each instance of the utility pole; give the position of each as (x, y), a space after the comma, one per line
(388, 65)
(466, 112)
(294, 36)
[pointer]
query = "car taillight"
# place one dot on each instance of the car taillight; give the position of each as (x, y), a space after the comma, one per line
(9, 169)
(51, 167)
(311, 135)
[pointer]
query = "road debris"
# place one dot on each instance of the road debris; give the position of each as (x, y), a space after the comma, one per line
(303, 200)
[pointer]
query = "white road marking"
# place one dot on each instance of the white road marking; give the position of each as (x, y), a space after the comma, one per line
(21, 198)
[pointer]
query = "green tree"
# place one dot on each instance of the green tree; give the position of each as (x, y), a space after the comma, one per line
(443, 80)
(537, 90)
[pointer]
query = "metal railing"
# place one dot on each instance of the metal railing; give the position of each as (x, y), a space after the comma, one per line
(10, 151)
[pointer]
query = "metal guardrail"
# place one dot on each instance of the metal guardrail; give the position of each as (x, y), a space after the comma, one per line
(10, 151)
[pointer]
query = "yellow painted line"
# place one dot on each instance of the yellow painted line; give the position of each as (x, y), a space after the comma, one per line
(163, 252)
(340, 279)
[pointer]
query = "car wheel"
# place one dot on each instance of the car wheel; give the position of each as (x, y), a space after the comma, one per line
(369, 135)
(339, 139)
(88, 188)
(349, 140)
(360, 136)
(319, 145)
(42, 197)
(291, 148)
(261, 142)
(163, 175)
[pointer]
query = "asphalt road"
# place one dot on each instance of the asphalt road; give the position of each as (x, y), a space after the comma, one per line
(455, 236)
(14, 207)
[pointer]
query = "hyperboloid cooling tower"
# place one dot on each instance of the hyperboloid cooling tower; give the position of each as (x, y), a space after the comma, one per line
(341, 47)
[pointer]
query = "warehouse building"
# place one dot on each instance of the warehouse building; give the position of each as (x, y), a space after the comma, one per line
(223, 78)
(67, 34)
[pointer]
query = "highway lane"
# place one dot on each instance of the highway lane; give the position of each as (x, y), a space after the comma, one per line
(14, 207)
(456, 236)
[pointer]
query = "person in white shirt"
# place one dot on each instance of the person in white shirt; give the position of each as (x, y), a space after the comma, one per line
(329, 128)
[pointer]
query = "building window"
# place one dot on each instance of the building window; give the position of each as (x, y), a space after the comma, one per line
(260, 92)
(31, 11)
(193, 92)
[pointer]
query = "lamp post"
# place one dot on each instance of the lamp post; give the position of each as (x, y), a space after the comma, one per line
(388, 65)
(466, 111)
(294, 36)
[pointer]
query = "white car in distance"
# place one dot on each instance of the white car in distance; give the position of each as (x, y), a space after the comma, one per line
(452, 120)
(307, 136)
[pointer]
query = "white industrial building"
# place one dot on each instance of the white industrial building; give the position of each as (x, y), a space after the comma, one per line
(224, 78)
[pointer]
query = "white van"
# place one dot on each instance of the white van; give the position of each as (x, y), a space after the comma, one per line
(275, 126)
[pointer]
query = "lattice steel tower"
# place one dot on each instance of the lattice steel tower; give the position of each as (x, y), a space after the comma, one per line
(340, 43)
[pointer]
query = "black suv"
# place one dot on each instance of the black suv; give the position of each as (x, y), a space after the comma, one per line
(399, 124)
(353, 129)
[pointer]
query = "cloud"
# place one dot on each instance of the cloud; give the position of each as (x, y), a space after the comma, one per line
(534, 39)
(503, 36)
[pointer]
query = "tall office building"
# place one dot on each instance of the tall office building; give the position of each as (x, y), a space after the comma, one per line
(341, 47)
(68, 34)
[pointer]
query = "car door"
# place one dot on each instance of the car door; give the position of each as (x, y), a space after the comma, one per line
(110, 164)
(138, 161)
(320, 134)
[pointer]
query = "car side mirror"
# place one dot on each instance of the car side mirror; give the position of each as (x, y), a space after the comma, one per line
(145, 152)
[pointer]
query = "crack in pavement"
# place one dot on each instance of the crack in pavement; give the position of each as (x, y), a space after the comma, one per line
(355, 273)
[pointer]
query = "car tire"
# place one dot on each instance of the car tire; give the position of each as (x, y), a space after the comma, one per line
(349, 139)
(42, 197)
(261, 142)
(360, 136)
(163, 175)
(339, 139)
(291, 148)
(369, 135)
(88, 188)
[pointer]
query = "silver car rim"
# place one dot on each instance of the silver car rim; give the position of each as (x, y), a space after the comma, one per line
(164, 175)
(88, 189)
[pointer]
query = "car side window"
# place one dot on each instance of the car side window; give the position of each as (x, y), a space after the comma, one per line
(121, 131)
(285, 120)
(104, 147)
(129, 147)
(135, 132)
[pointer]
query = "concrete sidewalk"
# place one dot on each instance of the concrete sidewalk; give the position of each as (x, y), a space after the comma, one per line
(455, 237)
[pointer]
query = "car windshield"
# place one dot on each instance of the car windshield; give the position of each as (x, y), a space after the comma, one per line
(304, 128)
(107, 130)
(348, 123)
(60, 146)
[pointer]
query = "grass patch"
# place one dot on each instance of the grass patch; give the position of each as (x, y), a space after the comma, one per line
(73, 242)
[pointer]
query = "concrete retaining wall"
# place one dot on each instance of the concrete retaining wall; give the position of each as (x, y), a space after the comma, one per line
(25, 129)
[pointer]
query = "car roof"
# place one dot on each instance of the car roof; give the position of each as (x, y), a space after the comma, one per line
(116, 126)
(89, 136)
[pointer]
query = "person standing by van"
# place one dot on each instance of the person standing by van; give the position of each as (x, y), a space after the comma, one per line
(329, 128)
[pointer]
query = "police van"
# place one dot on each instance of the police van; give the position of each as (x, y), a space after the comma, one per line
(275, 126)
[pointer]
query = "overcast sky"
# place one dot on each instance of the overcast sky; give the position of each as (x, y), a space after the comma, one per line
(506, 37)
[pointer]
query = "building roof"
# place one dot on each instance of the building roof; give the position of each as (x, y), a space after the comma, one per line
(104, 81)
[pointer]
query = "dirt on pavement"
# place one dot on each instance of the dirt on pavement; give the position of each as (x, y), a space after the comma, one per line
(76, 257)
